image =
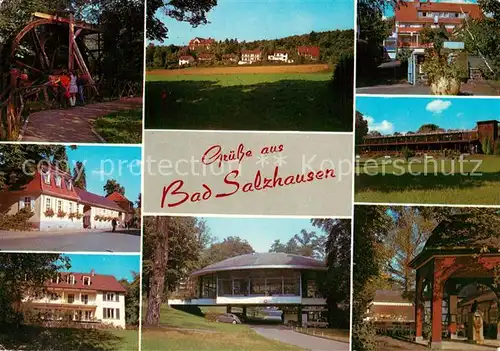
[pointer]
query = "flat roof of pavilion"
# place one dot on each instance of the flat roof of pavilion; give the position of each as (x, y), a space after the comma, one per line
(267, 260)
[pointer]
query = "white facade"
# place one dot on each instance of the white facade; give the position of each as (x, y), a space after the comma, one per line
(183, 62)
(251, 57)
(84, 306)
(278, 56)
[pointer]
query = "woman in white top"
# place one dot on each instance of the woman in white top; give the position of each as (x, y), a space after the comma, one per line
(73, 88)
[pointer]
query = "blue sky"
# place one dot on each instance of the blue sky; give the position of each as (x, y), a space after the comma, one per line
(402, 114)
(103, 163)
(259, 232)
(389, 12)
(120, 266)
(264, 19)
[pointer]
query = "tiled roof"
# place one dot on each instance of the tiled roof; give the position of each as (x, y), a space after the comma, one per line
(98, 282)
(408, 12)
(206, 56)
(186, 58)
(202, 41)
(97, 200)
(309, 50)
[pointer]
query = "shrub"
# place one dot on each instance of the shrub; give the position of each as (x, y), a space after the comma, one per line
(18, 221)
(486, 146)
(343, 87)
(496, 147)
(407, 153)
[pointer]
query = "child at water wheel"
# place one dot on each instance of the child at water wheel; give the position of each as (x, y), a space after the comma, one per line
(65, 81)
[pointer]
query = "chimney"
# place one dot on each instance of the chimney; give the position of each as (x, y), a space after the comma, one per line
(92, 272)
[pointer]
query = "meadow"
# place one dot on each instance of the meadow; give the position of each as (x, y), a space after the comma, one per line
(182, 331)
(476, 181)
(293, 98)
(40, 338)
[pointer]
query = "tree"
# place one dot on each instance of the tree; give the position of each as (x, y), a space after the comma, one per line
(412, 227)
(230, 247)
(337, 285)
(20, 162)
(22, 273)
(278, 246)
(374, 133)
(371, 224)
(79, 175)
(157, 234)
(192, 11)
(434, 36)
(112, 186)
(133, 300)
(361, 128)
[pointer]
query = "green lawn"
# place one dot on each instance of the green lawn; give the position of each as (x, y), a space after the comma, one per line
(123, 127)
(47, 339)
(448, 182)
(277, 101)
(183, 331)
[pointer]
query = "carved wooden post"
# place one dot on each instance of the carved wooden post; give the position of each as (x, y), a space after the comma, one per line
(71, 40)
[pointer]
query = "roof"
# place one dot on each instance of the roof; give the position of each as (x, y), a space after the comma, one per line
(309, 50)
(202, 40)
(89, 198)
(279, 52)
(409, 13)
(271, 260)
(394, 296)
(98, 282)
(186, 58)
(116, 196)
(206, 55)
(454, 235)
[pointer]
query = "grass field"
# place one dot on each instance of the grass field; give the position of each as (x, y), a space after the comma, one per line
(244, 98)
(48, 339)
(446, 182)
(183, 331)
(124, 127)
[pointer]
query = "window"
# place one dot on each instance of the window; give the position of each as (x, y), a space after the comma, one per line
(58, 181)
(70, 208)
(71, 298)
(86, 280)
(72, 279)
(46, 177)
(117, 298)
(88, 315)
(54, 296)
(59, 206)
(85, 299)
(117, 314)
(48, 203)
(108, 313)
(27, 202)
(69, 184)
(109, 297)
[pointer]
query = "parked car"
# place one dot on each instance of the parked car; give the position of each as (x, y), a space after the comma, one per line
(228, 318)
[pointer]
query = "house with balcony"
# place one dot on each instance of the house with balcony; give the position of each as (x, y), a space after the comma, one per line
(57, 204)
(285, 281)
(251, 56)
(464, 141)
(88, 298)
(413, 16)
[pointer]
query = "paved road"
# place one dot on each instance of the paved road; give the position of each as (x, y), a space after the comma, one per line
(420, 89)
(306, 342)
(72, 124)
(92, 241)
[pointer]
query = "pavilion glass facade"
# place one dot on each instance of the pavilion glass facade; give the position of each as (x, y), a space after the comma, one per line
(265, 282)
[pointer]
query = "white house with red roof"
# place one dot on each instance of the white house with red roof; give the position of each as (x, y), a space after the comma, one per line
(251, 56)
(82, 297)
(278, 55)
(58, 205)
(203, 43)
(309, 52)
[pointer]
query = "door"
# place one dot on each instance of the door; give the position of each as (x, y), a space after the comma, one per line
(411, 69)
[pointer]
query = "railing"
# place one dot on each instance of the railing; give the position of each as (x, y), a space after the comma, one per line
(17, 104)
(429, 138)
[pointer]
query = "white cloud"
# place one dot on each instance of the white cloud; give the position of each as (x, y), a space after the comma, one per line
(437, 106)
(384, 127)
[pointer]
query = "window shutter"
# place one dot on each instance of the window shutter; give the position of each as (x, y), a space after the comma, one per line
(104, 316)
(117, 313)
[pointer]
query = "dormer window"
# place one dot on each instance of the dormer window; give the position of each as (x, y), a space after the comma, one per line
(58, 181)
(69, 184)
(86, 281)
(46, 177)
(72, 279)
